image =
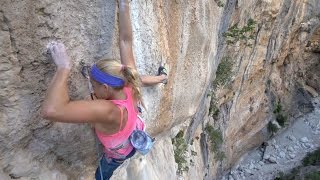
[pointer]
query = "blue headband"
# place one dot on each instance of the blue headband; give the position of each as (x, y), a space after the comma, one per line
(105, 78)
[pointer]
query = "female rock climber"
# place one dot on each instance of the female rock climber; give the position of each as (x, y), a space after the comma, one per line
(113, 112)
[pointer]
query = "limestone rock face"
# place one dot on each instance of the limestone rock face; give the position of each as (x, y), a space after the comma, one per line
(180, 34)
(280, 63)
(273, 68)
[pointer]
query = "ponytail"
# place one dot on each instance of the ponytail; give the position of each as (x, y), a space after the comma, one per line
(132, 77)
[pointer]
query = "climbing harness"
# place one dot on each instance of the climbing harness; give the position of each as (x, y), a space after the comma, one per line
(139, 139)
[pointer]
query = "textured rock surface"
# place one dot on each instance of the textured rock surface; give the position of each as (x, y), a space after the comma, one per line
(281, 64)
(273, 69)
(284, 152)
(181, 34)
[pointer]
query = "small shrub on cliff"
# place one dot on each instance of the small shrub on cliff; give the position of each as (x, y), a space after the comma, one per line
(280, 117)
(219, 156)
(277, 108)
(312, 158)
(224, 72)
(180, 152)
(219, 3)
(272, 128)
(313, 176)
(290, 176)
(245, 33)
(297, 174)
(213, 109)
(215, 138)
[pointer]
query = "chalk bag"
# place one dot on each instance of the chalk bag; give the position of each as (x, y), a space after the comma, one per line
(141, 141)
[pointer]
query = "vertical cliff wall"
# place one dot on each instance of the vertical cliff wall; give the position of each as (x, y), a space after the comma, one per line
(269, 69)
(277, 62)
(179, 33)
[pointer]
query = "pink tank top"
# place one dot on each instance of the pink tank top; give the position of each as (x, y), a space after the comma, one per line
(133, 122)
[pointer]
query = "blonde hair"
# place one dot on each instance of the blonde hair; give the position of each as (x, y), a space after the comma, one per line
(128, 74)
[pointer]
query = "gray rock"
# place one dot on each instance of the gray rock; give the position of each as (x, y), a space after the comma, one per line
(230, 177)
(236, 177)
(251, 166)
(290, 149)
(241, 168)
(292, 156)
(257, 167)
(291, 137)
(305, 27)
(282, 154)
(272, 160)
(311, 146)
(296, 147)
(304, 140)
(266, 156)
(261, 163)
(247, 172)
(243, 176)
(307, 145)
(235, 168)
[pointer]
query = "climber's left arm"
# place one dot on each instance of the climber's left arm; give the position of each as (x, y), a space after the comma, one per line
(125, 32)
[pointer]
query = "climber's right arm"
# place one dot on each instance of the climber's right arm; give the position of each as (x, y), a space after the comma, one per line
(125, 32)
(152, 80)
(57, 105)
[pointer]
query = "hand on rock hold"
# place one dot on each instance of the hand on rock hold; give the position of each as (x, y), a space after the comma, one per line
(163, 78)
(163, 74)
(59, 55)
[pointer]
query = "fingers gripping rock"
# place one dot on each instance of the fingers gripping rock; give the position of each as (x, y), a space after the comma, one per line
(59, 55)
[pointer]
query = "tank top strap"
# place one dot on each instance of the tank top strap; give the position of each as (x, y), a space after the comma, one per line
(121, 116)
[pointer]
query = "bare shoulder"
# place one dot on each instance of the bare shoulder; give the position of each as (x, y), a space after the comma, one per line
(106, 110)
(84, 111)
